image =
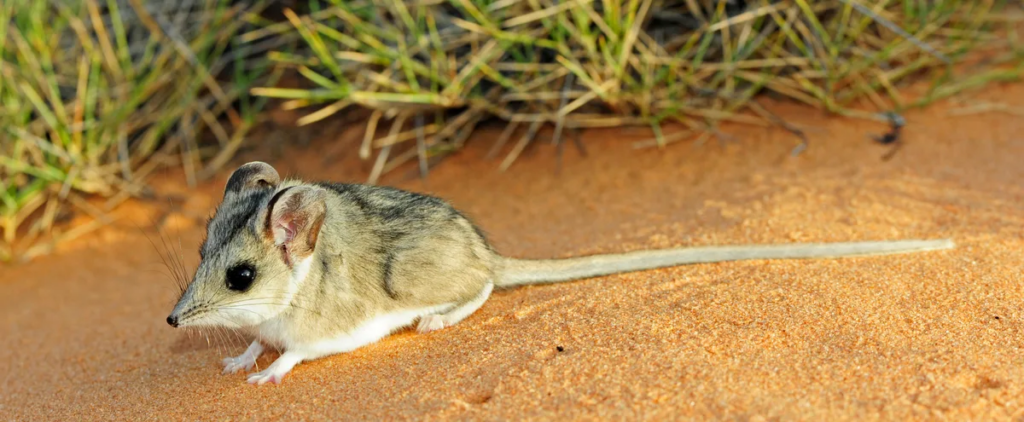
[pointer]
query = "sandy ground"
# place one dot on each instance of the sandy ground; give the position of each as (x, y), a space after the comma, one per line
(931, 336)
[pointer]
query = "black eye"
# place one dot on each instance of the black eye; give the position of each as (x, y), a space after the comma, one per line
(240, 277)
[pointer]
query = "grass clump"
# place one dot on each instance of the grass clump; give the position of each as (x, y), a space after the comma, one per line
(444, 66)
(97, 94)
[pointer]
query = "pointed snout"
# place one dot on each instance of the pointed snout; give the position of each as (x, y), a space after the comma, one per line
(172, 320)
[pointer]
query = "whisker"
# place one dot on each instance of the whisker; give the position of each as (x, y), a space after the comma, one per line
(170, 271)
(181, 261)
(240, 309)
(254, 302)
(169, 256)
(226, 335)
(236, 334)
(182, 270)
(216, 331)
(240, 338)
(220, 332)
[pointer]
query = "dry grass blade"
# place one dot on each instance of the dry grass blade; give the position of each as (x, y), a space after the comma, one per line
(106, 90)
(523, 142)
(636, 63)
(895, 28)
(97, 89)
(382, 157)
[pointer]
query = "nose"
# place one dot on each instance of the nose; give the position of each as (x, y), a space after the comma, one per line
(172, 320)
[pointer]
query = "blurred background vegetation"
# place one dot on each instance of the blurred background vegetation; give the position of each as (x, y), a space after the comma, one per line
(95, 95)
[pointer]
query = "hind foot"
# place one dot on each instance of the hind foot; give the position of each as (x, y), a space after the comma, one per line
(436, 322)
(430, 323)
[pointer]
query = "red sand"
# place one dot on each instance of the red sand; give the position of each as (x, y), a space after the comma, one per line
(912, 337)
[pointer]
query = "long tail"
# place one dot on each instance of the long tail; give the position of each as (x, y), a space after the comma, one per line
(517, 272)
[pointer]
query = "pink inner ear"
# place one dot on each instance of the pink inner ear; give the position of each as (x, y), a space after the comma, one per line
(284, 231)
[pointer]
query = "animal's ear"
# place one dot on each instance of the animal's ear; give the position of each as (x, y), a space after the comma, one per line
(294, 217)
(251, 175)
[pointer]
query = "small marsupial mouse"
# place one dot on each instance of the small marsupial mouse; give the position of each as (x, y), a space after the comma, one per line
(315, 269)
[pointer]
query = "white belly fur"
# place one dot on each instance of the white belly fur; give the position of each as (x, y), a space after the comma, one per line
(369, 332)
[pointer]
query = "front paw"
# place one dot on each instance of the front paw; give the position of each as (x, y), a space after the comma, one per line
(265, 376)
(277, 370)
(235, 364)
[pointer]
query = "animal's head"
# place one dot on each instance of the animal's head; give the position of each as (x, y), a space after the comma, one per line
(257, 251)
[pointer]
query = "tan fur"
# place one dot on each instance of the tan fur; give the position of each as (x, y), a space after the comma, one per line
(339, 266)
